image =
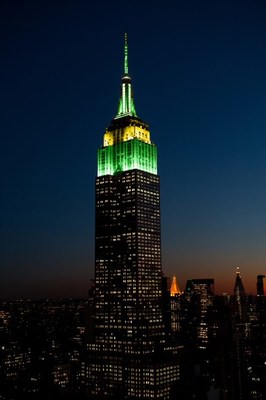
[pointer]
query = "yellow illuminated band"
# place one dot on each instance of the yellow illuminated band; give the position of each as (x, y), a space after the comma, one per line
(124, 134)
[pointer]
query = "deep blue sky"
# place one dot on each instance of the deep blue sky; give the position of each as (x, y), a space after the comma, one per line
(199, 78)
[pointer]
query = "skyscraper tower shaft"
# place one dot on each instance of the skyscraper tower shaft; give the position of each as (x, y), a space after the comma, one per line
(240, 297)
(129, 353)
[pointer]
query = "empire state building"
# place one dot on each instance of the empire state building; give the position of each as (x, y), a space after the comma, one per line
(129, 356)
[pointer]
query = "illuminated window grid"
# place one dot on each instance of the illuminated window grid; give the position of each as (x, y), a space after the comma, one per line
(128, 214)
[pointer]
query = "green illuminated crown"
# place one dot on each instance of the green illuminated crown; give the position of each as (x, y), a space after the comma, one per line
(127, 143)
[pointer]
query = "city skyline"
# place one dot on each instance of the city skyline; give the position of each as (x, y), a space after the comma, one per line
(201, 88)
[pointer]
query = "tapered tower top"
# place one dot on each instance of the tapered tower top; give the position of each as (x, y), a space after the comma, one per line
(239, 287)
(175, 290)
(126, 106)
(240, 297)
(127, 143)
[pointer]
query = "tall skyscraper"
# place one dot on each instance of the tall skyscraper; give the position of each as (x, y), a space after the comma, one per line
(129, 356)
(239, 296)
(239, 334)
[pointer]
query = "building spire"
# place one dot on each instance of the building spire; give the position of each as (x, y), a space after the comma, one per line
(239, 287)
(174, 290)
(126, 106)
(125, 56)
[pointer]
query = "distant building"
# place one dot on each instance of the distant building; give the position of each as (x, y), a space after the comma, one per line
(201, 286)
(61, 374)
(14, 360)
(240, 330)
(175, 289)
(240, 297)
(166, 304)
(202, 293)
(260, 285)
(175, 293)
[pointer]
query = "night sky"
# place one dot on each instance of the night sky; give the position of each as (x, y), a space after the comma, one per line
(198, 70)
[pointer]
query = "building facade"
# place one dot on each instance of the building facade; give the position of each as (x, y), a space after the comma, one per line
(260, 285)
(202, 293)
(129, 354)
